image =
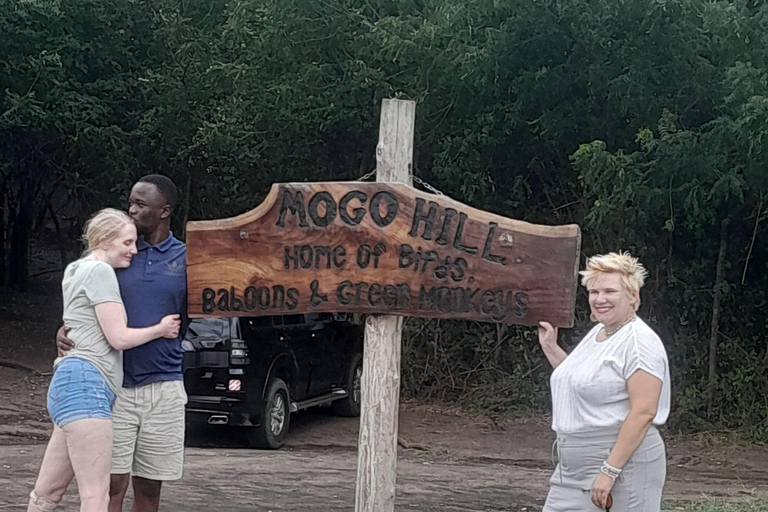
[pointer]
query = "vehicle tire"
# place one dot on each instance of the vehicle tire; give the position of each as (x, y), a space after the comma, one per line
(275, 418)
(350, 406)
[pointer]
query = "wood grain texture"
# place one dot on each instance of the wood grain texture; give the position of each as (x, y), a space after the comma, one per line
(380, 386)
(381, 248)
(380, 410)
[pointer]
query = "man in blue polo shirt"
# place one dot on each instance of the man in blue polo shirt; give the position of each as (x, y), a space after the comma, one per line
(148, 416)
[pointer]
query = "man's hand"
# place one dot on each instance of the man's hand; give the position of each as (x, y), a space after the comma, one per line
(63, 344)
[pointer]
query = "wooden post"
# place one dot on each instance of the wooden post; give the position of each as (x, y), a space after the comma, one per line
(380, 387)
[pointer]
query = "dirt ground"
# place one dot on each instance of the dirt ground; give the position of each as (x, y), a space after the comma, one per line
(448, 460)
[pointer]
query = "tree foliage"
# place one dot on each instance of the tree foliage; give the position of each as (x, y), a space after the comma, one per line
(645, 121)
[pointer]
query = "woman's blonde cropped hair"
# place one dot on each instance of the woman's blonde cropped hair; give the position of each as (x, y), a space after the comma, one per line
(103, 227)
(632, 272)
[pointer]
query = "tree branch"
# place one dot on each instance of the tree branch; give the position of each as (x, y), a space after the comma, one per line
(752, 244)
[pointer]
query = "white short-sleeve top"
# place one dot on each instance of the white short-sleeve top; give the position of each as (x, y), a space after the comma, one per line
(589, 388)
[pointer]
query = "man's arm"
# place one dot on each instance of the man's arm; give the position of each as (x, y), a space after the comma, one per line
(63, 344)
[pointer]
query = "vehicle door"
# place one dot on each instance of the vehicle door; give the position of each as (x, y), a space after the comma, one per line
(298, 342)
(328, 360)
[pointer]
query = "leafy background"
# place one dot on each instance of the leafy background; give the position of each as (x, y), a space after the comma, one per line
(644, 121)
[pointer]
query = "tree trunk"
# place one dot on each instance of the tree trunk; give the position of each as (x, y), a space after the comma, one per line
(59, 234)
(714, 328)
(4, 211)
(501, 332)
(187, 199)
(18, 264)
(21, 227)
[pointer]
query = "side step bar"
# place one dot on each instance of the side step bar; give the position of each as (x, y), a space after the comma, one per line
(336, 394)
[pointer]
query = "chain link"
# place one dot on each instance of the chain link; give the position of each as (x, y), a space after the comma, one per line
(427, 186)
(416, 179)
(366, 175)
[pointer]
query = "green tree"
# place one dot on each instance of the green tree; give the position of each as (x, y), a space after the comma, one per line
(644, 121)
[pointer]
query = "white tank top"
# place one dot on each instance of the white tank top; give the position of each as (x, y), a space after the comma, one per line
(589, 388)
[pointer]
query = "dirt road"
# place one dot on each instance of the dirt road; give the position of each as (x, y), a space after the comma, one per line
(448, 462)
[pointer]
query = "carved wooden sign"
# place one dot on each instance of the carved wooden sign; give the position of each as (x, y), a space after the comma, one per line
(380, 248)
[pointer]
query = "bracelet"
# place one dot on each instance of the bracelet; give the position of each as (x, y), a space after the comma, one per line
(608, 474)
(610, 471)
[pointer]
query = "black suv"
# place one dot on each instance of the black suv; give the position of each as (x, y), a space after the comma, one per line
(254, 371)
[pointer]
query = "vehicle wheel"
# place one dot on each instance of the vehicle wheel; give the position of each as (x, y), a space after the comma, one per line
(350, 406)
(275, 418)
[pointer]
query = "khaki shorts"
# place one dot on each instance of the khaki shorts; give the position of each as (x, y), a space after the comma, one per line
(148, 431)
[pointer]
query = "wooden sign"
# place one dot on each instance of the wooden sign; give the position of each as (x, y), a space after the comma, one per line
(380, 248)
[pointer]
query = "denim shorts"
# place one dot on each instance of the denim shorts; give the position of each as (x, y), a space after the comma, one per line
(78, 391)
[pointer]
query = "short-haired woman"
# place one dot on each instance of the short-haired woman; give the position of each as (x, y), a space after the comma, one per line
(86, 380)
(608, 396)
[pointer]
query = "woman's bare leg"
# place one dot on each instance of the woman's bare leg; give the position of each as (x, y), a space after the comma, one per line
(55, 475)
(90, 449)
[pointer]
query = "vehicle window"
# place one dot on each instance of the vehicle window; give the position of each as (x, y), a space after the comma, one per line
(207, 328)
(259, 322)
(313, 318)
(293, 319)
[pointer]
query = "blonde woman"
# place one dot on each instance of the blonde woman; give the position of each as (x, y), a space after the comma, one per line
(86, 380)
(608, 396)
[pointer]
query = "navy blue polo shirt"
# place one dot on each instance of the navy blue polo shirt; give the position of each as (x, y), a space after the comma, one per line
(155, 285)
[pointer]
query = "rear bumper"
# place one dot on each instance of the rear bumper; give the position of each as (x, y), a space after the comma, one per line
(217, 410)
(208, 417)
(213, 400)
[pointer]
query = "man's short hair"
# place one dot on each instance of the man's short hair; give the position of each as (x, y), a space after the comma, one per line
(165, 186)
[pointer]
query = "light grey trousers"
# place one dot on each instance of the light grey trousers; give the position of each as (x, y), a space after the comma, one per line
(580, 456)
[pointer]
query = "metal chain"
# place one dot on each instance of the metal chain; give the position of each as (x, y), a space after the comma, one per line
(366, 175)
(416, 179)
(426, 185)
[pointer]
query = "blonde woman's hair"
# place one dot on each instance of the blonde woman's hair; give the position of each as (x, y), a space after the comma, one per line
(632, 272)
(103, 227)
